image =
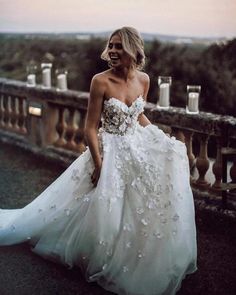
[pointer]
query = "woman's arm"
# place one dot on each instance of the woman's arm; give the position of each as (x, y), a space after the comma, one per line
(92, 122)
(143, 120)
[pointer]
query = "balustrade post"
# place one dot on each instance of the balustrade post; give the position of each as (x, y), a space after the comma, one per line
(2, 110)
(71, 130)
(49, 123)
(61, 127)
(178, 134)
(202, 162)
(217, 167)
(232, 171)
(80, 133)
(189, 144)
(14, 119)
(17, 114)
(8, 113)
(22, 115)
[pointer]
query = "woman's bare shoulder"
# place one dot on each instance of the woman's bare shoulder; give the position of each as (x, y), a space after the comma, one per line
(144, 78)
(101, 77)
(99, 83)
(144, 82)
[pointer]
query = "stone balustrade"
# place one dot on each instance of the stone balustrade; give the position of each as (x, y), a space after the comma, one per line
(47, 118)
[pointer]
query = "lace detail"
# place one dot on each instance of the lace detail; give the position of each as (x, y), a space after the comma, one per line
(120, 119)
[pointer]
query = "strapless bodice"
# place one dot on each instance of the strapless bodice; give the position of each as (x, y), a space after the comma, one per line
(119, 118)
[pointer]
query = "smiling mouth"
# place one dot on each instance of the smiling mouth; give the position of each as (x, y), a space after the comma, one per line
(114, 58)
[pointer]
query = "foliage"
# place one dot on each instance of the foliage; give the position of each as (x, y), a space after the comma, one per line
(212, 67)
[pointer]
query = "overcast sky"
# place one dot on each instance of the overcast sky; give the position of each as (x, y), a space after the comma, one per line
(209, 18)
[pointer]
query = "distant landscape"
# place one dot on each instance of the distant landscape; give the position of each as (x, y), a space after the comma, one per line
(208, 62)
(104, 35)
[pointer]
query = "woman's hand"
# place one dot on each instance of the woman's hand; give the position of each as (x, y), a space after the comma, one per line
(96, 174)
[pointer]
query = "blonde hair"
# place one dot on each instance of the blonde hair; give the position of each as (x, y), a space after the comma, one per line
(132, 44)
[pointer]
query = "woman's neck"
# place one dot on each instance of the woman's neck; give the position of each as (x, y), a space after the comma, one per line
(124, 73)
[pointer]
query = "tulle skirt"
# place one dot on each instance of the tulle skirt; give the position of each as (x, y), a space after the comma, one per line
(134, 233)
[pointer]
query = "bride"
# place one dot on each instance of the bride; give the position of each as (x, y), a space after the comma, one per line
(123, 211)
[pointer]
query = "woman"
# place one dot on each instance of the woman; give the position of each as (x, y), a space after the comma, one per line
(123, 211)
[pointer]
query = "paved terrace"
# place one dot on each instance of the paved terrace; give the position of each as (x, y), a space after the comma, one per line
(23, 176)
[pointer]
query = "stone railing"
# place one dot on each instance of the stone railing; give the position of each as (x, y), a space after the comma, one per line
(48, 119)
(43, 117)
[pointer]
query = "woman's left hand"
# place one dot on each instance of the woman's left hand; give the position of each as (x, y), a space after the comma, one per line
(96, 174)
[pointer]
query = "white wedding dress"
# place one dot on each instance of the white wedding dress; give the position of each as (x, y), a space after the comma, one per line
(135, 232)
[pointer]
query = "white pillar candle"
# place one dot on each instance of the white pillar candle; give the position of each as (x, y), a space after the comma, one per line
(164, 99)
(61, 82)
(46, 78)
(193, 98)
(31, 80)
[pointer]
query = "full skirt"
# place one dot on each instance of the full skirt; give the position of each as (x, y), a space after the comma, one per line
(134, 233)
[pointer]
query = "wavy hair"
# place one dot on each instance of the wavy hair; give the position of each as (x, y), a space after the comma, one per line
(132, 44)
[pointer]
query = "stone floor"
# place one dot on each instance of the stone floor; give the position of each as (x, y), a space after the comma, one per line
(23, 177)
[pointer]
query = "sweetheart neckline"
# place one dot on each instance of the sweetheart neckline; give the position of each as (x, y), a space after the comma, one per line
(122, 102)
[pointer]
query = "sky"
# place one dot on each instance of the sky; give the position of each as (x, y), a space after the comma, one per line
(200, 18)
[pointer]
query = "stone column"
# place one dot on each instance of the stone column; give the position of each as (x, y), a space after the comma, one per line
(217, 167)
(202, 162)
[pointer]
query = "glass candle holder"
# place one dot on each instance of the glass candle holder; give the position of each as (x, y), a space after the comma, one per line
(31, 70)
(193, 93)
(164, 83)
(46, 75)
(61, 75)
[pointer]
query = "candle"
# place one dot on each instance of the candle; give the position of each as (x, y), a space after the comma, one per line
(46, 78)
(31, 80)
(36, 111)
(164, 99)
(61, 82)
(193, 98)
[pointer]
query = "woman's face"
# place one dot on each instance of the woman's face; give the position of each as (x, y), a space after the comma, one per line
(118, 57)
